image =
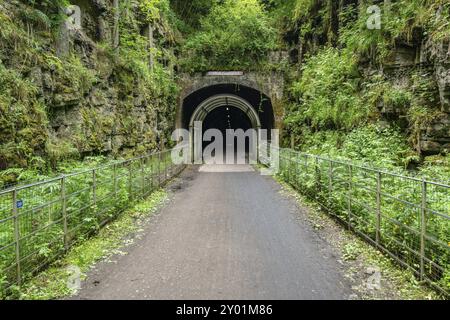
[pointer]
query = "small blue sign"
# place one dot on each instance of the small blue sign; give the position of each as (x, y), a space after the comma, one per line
(19, 204)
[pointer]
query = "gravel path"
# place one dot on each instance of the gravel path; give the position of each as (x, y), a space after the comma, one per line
(223, 235)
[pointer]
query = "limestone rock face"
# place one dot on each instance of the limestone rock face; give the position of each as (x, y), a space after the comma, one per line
(415, 62)
(104, 116)
(439, 130)
(443, 79)
(431, 61)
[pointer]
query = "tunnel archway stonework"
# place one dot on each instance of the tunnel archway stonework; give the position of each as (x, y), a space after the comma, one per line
(208, 98)
(269, 87)
(229, 100)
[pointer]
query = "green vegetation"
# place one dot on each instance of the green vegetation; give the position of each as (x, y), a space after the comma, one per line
(336, 113)
(234, 35)
(31, 152)
(342, 90)
(349, 192)
(363, 145)
(357, 256)
(39, 87)
(330, 93)
(347, 103)
(400, 19)
(351, 92)
(67, 210)
(52, 283)
(340, 87)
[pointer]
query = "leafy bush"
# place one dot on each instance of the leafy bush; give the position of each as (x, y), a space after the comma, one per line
(328, 93)
(366, 144)
(382, 147)
(234, 35)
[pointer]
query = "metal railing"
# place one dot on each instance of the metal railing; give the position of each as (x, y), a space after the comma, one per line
(406, 217)
(41, 221)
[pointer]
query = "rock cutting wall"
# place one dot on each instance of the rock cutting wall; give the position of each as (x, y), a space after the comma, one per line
(92, 97)
(416, 63)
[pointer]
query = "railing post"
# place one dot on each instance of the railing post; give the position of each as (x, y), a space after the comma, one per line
(94, 189)
(294, 168)
(143, 177)
(130, 181)
(306, 167)
(330, 180)
(349, 196)
(288, 160)
(165, 167)
(285, 165)
(64, 211)
(319, 187)
(152, 174)
(16, 236)
(115, 179)
(423, 221)
(378, 218)
(159, 169)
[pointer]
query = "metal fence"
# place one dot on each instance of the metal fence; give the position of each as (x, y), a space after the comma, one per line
(41, 221)
(405, 217)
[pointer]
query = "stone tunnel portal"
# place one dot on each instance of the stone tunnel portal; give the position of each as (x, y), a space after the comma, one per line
(222, 107)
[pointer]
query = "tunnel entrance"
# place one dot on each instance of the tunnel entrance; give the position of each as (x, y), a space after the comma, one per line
(226, 107)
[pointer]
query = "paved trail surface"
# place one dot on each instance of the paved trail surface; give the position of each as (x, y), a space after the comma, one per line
(224, 235)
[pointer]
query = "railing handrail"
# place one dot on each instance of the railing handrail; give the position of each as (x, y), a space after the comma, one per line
(369, 168)
(80, 172)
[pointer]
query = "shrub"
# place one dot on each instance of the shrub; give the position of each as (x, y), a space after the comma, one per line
(235, 35)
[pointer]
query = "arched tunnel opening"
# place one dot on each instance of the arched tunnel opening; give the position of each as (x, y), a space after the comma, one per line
(224, 107)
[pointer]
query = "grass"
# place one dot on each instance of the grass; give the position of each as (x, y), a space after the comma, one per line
(53, 283)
